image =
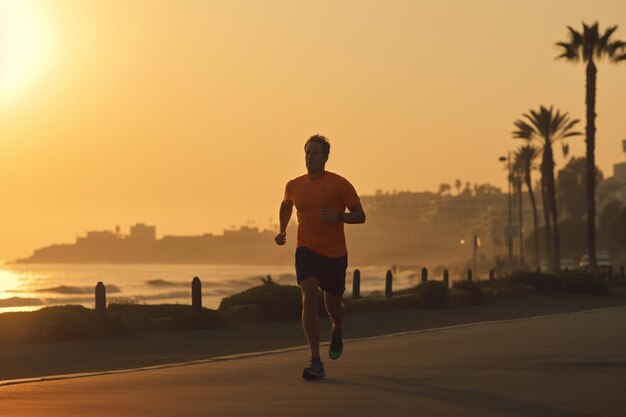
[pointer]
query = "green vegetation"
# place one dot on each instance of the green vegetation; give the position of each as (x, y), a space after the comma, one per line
(51, 324)
(541, 282)
(432, 295)
(470, 292)
(175, 316)
(73, 322)
(574, 282)
(276, 301)
(577, 282)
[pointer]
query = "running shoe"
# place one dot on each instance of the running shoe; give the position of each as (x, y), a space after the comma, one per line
(335, 347)
(316, 370)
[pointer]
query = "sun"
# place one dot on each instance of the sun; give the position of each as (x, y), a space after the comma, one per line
(26, 46)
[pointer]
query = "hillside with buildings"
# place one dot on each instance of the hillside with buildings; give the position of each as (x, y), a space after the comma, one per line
(401, 228)
(448, 228)
(244, 246)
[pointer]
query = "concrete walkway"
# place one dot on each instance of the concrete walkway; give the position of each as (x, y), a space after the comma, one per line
(556, 366)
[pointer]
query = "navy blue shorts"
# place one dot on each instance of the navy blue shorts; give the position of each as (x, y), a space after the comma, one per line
(331, 272)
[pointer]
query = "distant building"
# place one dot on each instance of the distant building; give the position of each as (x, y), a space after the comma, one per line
(98, 236)
(613, 188)
(141, 231)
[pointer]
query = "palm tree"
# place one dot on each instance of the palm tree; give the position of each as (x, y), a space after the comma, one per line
(525, 157)
(545, 204)
(548, 127)
(516, 178)
(444, 188)
(587, 46)
(457, 185)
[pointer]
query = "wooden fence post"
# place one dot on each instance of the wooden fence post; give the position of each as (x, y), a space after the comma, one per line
(101, 300)
(424, 274)
(356, 284)
(196, 294)
(388, 284)
(446, 278)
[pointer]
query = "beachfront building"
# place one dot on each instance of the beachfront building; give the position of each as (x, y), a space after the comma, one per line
(141, 231)
(613, 188)
(97, 236)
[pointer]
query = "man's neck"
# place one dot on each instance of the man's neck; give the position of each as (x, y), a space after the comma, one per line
(313, 175)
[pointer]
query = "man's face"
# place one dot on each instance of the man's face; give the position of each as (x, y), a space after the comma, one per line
(314, 157)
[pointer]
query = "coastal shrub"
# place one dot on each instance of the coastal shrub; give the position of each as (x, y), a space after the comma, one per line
(62, 323)
(471, 292)
(141, 315)
(543, 283)
(372, 303)
(74, 322)
(49, 324)
(404, 291)
(276, 301)
(580, 282)
(506, 288)
(432, 294)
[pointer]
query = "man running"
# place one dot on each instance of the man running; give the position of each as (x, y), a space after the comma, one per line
(321, 199)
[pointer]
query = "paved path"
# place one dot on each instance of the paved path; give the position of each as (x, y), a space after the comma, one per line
(565, 365)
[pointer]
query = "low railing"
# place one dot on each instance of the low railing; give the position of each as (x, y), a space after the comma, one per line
(196, 286)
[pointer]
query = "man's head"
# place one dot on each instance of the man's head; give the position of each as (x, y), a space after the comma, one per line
(316, 151)
(322, 140)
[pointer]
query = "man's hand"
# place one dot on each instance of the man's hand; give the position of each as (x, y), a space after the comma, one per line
(281, 238)
(329, 215)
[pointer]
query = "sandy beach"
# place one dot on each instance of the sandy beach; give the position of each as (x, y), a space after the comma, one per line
(157, 348)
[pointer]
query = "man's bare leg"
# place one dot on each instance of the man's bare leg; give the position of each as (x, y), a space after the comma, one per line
(310, 318)
(336, 311)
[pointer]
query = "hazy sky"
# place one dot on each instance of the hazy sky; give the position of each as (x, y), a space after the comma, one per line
(191, 115)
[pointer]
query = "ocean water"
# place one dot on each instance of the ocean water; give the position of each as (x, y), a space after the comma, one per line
(27, 287)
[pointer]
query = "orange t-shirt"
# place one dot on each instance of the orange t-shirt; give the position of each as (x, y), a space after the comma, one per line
(309, 197)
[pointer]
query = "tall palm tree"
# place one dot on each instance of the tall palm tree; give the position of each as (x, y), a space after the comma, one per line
(545, 204)
(548, 127)
(516, 177)
(525, 157)
(588, 46)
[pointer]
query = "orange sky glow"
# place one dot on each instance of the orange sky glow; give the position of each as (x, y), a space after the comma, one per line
(192, 115)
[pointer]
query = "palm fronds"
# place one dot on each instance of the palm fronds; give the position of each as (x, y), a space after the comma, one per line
(590, 43)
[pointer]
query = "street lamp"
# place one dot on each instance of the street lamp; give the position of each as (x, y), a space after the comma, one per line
(509, 229)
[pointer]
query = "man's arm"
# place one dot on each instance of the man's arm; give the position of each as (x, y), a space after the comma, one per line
(286, 208)
(355, 216)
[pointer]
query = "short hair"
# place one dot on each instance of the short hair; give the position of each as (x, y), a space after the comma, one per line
(323, 140)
